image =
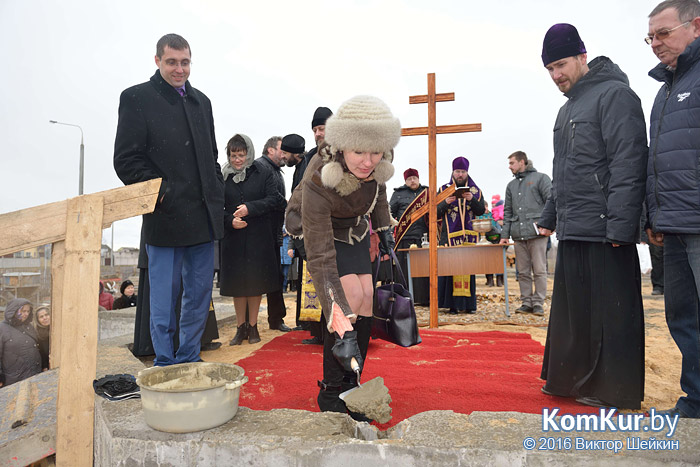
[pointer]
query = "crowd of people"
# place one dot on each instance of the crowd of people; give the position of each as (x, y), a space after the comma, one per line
(340, 218)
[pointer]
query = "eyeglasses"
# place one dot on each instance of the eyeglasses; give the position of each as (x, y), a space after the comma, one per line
(663, 34)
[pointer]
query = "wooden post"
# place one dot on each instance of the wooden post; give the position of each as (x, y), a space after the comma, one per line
(58, 254)
(74, 227)
(432, 130)
(75, 403)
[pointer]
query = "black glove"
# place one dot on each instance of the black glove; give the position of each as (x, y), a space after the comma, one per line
(345, 349)
(386, 242)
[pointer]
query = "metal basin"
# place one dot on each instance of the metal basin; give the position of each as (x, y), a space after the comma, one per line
(190, 396)
(481, 225)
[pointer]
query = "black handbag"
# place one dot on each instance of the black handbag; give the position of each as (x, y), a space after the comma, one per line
(393, 315)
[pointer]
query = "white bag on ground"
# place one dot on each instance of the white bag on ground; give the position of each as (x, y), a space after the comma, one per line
(644, 258)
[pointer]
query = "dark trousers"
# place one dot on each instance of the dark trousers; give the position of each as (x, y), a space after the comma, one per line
(682, 299)
(335, 378)
(276, 310)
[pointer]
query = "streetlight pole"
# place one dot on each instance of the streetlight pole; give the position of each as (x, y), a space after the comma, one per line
(82, 153)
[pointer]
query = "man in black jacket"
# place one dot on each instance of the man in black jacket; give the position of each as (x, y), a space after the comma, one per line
(166, 130)
(595, 340)
(401, 199)
(273, 159)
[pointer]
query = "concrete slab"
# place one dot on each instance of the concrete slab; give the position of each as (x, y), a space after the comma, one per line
(300, 438)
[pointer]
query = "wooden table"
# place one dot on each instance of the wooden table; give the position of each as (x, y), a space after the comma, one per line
(482, 258)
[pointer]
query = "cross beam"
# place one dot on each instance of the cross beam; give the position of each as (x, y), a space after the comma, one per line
(432, 130)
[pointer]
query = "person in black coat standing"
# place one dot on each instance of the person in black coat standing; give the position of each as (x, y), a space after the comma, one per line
(401, 199)
(249, 253)
(272, 160)
(166, 130)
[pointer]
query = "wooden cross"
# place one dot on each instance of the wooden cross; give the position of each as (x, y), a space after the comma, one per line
(432, 130)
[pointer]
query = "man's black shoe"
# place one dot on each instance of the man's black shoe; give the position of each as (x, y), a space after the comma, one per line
(524, 309)
(657, 291)
(592, 401)
(297, 328)
(211, 346)
(538, 310)
(313, 341)
(281, 327)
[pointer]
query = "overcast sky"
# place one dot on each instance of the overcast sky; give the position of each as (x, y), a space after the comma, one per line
(267, 65)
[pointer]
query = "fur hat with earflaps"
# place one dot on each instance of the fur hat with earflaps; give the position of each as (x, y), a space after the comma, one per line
(363, 123)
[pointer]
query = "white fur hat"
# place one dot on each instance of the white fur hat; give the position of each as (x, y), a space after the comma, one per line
(363, 123)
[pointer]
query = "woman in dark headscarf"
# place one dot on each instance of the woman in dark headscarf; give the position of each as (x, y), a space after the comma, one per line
(19, 344)
(249, 262)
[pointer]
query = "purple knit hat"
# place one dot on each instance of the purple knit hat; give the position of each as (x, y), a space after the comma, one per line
(561, 41)
(460, 163)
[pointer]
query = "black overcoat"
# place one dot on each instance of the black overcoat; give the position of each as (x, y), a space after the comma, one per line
(249, 256)
(161, 134)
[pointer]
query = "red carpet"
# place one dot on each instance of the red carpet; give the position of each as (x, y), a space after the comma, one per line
(450, 370)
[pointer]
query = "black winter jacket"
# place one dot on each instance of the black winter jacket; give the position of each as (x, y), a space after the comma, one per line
(161, 134)
(400, 199)
(19, 346)
(600, 155)
(673, 183)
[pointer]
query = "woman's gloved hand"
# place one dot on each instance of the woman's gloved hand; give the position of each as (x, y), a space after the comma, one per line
(386, 241)
(345, 349)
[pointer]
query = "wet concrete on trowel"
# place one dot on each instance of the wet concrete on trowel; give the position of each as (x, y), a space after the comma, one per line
(372, 400)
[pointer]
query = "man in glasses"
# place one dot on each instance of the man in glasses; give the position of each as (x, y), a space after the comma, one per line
(595, 340)
(166, 130)
(673, 186)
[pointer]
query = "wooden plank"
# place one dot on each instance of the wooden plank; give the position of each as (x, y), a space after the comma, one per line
(58, 254)
(458, 260)
(466, 128)
(417, 131)
(442, 97)
(31, 227)
(79, 328)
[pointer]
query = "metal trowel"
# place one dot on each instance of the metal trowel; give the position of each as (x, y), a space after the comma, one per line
(371, 399)
(356, 368)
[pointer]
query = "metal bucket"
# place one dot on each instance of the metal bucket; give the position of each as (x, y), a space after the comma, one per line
(190, 396)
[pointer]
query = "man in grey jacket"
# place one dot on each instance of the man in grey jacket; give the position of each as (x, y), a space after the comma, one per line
(525, 198)
(595, 340)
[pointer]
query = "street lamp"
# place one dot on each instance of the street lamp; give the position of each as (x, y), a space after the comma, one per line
(82, 153)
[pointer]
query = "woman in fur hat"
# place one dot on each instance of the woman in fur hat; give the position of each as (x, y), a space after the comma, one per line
(344, 187)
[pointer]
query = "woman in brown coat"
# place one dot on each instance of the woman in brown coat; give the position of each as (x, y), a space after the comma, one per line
(344, 187)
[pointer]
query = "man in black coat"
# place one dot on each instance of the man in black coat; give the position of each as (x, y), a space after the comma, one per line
(166, 130)
(273, 159)
(595, 340)
(401, 199)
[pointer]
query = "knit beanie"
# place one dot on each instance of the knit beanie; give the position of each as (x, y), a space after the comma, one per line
(124, 285)
(293, 144)
(561, 41)
(460, 163)
(410, 173)
(320, 116)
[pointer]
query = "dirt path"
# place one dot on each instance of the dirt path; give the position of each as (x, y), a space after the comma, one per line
(663, 360)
